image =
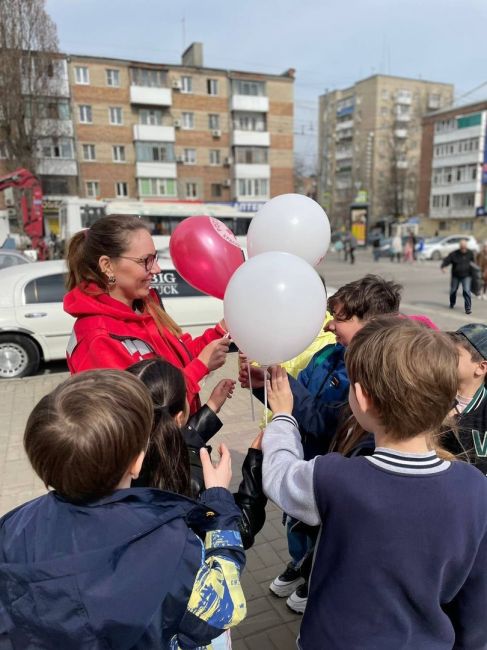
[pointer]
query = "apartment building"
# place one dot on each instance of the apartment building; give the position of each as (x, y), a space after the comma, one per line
(186, 132)
(369, 145)
(453, 177)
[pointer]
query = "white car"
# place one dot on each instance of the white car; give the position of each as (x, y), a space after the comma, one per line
(34, 326)
(437, 248)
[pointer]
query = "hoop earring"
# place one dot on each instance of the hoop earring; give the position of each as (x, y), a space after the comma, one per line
(111, 279)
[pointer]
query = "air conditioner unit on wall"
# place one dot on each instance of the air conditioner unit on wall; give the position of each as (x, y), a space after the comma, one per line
(216, 133)
(176, 84)
(228, 161)
(177, 124)
(180, 159)
(227, 183)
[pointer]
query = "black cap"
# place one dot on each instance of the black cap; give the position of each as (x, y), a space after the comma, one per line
(476, 335)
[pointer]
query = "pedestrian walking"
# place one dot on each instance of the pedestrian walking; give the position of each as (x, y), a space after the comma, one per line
(461, 273)
(396, 248)
(481, 261)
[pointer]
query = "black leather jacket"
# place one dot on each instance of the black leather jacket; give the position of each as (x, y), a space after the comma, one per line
(250, 497)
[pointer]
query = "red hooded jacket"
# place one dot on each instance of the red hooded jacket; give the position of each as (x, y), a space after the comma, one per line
(109, 334)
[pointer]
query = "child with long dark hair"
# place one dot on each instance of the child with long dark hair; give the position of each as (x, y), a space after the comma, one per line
(173, 459)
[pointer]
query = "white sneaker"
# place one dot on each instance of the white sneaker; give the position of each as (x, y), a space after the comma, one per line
(285, 583)
(297, 600)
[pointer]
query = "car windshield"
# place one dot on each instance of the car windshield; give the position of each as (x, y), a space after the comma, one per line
(433, 240)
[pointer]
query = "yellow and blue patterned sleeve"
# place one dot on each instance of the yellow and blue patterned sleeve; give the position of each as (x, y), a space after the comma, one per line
(217, 601)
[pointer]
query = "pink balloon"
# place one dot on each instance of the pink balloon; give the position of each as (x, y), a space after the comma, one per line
(206, 254)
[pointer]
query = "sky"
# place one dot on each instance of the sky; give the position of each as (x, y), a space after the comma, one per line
(330, 43)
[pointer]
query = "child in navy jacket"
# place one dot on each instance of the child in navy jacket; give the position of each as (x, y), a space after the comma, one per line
(94, 564)
(401, 560)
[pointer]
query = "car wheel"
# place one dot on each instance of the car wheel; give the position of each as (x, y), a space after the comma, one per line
(436, 256)
(19, 356)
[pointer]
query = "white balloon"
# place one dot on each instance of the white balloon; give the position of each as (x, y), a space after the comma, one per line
(291, 223)
(274, 306)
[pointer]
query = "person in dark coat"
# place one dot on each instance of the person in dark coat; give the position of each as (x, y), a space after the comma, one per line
(461, 273)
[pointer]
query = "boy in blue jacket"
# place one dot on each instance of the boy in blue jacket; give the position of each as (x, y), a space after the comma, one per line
(94, 564)
(401, 560)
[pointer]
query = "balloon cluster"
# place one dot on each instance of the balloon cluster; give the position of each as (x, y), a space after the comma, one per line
(274, 303)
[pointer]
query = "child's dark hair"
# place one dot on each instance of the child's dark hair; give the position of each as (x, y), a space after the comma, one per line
(166, 464)
(365, 298)
(408, 371)
(82, 437)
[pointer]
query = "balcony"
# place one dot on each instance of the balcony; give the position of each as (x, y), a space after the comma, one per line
(405, 98)
(55, 128)
(155, 170)
(400, 133)
(254, 103)
(251, 171)
(402, 164)
(343, 155)
(345, 124)
(150, 96)
(151, 133)
(402, 117)
(57, 167)
(251, 138)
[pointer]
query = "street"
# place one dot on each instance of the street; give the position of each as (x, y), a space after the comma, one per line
(269, 624)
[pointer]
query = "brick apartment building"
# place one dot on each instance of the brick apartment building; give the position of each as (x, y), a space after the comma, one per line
(152, 131)
(453, 173)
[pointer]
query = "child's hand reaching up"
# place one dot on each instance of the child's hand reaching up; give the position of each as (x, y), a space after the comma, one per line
(219, 475)
(279, 393)
(222, 391)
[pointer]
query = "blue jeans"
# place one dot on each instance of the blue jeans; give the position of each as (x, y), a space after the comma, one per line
(298, 543)
(467, 296)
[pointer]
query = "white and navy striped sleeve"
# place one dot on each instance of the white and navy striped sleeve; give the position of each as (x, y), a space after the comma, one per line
(286, 477)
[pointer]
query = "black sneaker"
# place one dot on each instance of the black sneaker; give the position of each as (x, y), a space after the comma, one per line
(286, 583)
(297, 600)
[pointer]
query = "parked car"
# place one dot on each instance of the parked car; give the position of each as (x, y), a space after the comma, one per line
(10, 257)
(436, 248)
(35, 328)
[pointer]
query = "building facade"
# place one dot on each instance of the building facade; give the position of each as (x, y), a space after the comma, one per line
(369, 145)
(185, 132)
(453, 177)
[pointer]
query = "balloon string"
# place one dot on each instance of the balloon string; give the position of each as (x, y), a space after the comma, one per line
(251, 393)
(264, 368)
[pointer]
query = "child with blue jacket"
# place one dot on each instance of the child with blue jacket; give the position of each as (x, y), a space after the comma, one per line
(97, 564)
(401, 560)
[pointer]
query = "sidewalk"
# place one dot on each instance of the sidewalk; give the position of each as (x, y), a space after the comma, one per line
(269, 625)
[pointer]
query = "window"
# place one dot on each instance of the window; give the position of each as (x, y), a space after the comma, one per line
(113, 77)
(254, 88)
(151, 116)
(121, 189)
(82, 75)
(251, 155)
(213, 121)
(154, 151)
(191, 190)
(215, 157)
(250, 122)
(118, 151)
(53, 110)
(115, 115)
(92, 189)
(216, 190)
(186, 84)
(157, 187)
(50, 288)
(85, 114)
(148, 77)
(212, 86)
(188, 120)
(89, 152)
(255, 187)
(190, 156)
(60, 148)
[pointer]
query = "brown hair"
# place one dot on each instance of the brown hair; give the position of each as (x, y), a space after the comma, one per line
(459, 339)
(365, 298)
(109, 236)
(166, 464)
(82, 437)
(408, 371)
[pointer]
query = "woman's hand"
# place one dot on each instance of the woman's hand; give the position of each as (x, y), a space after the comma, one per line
(214, 354)
(218, 475)
(256, 373)
(257, 441)
(279, 392)
(222, 391)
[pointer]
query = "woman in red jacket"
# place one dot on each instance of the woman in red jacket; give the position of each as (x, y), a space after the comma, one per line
(119, 318)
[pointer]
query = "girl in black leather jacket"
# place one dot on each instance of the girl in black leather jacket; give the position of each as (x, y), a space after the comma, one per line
(172, 461)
